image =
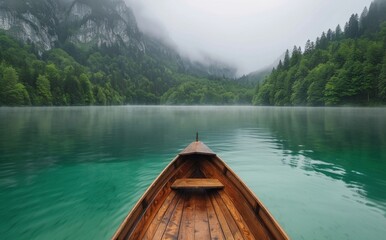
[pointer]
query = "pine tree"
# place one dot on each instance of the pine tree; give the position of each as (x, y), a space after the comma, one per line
(286, 62)
(323, 41)
(308, 47)
(362, 20)
(279, 66)
(338, 32)
(296, 56)
(352, 27)
(330, 35)
(340, 68)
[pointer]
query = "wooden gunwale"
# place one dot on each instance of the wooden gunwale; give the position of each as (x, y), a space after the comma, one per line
(231, 189)
(253, 201)
(138, 209)
(145, 222)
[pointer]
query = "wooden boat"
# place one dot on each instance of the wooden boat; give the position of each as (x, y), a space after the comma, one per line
(197, 196)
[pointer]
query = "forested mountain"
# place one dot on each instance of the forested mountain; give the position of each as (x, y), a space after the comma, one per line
(254, 78)
(82, 52)
(343, 66)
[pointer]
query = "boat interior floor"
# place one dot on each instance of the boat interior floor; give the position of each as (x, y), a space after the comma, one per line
(198, 214)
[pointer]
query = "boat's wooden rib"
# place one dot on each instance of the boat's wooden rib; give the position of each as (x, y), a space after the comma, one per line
(197, 196)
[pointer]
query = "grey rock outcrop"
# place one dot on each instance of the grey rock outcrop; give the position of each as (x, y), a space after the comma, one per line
(46, 23)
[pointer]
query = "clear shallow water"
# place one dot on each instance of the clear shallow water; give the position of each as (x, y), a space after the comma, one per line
(75, 173)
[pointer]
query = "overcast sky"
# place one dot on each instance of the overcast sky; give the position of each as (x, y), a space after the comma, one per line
(249, 34)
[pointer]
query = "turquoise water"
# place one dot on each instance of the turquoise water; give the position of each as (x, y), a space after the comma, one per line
(75, 173)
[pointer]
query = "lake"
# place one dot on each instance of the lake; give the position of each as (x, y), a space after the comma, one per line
(75, 172)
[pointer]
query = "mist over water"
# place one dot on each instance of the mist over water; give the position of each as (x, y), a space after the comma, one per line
(76, 172)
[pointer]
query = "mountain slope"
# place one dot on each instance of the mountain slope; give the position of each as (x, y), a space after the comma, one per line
(104, 23)
(81, 52)
(341, 67)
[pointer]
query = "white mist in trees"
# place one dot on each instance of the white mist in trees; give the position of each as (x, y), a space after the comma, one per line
(342, 68)
(248, 33)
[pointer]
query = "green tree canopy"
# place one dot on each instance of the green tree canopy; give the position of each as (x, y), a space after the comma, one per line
(12, 92)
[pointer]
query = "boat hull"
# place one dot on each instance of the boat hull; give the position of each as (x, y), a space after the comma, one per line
(228, 212)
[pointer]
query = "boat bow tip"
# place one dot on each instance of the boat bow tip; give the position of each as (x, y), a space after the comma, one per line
(197, 147)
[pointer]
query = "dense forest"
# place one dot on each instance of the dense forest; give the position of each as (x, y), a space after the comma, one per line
(72, 75)
(343, 66)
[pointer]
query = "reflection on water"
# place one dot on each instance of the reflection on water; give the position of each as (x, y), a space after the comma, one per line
(345, 144)
(76, 172)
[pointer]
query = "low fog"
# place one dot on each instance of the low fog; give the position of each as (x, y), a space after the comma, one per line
(248, 34)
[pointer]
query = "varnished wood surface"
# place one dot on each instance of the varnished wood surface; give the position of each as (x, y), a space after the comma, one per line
(197, 183)
(197, 148)
(198, 214)
(198, 196)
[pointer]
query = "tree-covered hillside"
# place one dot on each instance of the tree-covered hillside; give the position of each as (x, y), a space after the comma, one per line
(101, 76)
(214, 91)
(78, 65)
(86, 52)
(344, 66)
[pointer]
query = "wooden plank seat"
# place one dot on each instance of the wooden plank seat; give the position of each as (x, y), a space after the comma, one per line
(197, 183)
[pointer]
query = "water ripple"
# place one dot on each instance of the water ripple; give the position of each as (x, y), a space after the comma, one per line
(70, 173)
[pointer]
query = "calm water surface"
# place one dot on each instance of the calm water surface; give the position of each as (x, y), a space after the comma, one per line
(75, 173)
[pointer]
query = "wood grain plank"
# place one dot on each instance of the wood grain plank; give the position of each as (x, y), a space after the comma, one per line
(201, 222)
(254, 223)
(221, 218)
(185, 169)
(149, 233)
(141, 215)
(187, 220)
(165, 219)
(234, 178)
(243, 227)
(228, 217)
(274, 230)
(197, 147)
(194, 183)
(173, 227)
(216, 232)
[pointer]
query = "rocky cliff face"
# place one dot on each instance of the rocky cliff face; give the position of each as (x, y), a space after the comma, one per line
(52, 23)
(103, 23)
(20, 21)
(46, 23)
